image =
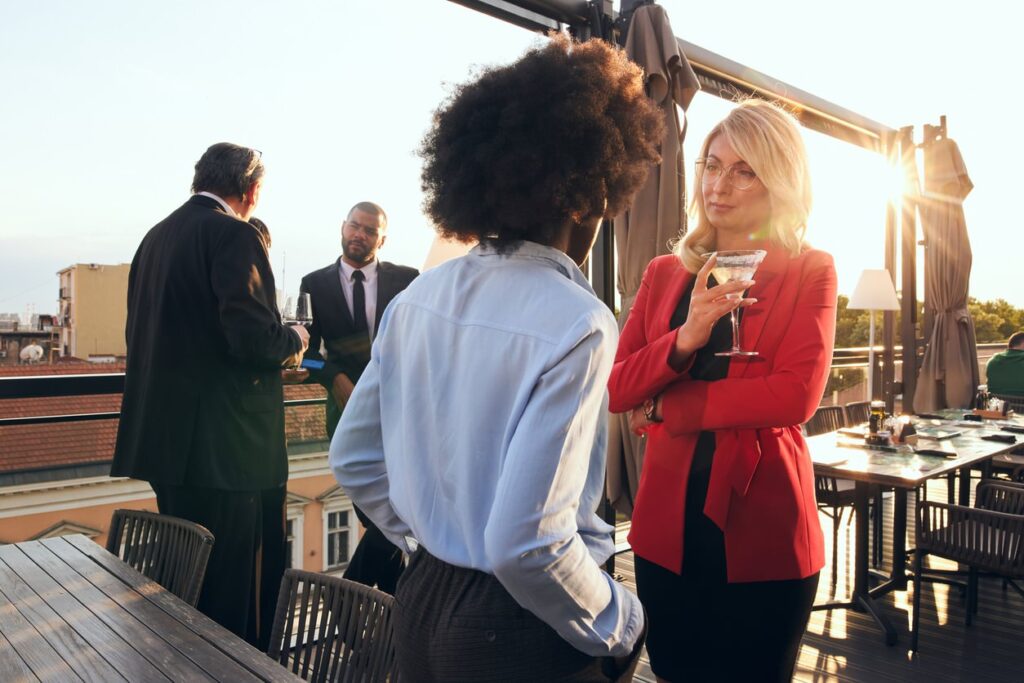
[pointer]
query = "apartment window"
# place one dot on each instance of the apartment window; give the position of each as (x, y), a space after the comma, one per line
(293, 542)
(341, 537)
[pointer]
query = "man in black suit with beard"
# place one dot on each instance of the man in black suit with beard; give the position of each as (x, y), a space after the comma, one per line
(349, 297)
(202, 418)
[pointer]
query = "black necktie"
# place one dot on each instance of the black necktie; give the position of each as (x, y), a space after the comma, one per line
(359, 302)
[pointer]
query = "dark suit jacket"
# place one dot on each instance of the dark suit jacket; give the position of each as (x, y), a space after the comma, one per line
(344, 351)
(203, 399)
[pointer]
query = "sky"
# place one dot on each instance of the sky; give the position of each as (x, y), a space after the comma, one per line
(108, 104)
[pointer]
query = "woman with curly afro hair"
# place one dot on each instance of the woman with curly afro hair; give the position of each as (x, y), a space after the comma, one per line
(476, 437)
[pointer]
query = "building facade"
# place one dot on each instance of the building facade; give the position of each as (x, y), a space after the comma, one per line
(92, 310)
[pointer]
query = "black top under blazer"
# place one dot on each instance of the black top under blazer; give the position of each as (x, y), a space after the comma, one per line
(203, 397)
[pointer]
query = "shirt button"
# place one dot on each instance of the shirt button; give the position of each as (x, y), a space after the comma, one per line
(491, 636)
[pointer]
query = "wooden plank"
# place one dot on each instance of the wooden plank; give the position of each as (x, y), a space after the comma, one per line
(141, 636)
(28, 642)
(205, 655)
(67, 644)
(13, 668)
(63, 600)
(233, 646)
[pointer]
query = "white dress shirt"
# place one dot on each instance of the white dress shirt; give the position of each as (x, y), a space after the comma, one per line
(479, 429)
(369, 288)
(224, 205)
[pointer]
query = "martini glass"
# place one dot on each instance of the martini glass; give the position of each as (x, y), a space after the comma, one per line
(731, 266)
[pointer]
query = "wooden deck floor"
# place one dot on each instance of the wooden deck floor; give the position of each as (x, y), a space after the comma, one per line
(842, 645)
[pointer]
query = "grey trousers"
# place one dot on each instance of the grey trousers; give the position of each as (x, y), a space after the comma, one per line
(458, 624)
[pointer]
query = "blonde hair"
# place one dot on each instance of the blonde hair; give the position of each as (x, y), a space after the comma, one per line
(768, 138)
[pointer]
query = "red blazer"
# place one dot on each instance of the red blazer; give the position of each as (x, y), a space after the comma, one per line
(761, 491)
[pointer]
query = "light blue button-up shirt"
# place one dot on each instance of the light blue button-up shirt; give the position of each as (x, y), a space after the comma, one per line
(479, 430)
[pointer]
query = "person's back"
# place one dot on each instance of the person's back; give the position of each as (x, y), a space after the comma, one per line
(478, 427)
(187, 337)
(202, 418)
(463, 349)
(1005, 370)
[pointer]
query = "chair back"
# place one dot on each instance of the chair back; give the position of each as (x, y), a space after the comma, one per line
(825, 419)
(858, 412)
(1000, 496)
(169, 550)
(1015, 403)
(327, 628)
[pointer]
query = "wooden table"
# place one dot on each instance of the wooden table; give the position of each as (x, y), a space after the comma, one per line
(70, 611)
(835, 455)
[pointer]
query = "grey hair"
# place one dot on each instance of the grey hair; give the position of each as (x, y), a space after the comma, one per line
(227, 170)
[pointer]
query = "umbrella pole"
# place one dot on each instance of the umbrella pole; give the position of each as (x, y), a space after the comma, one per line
(871, 355)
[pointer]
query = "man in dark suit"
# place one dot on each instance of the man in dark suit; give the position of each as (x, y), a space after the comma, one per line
(202, 417)
(349, 297)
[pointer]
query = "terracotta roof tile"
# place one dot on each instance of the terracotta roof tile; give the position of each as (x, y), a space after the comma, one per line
(27, 447)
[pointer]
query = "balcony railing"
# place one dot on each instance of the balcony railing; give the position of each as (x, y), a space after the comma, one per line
(849, 372)
(52, 386)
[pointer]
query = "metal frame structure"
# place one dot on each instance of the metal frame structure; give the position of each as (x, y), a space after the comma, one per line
(725, 78)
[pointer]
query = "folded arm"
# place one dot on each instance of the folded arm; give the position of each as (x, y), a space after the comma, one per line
(788, 394)
(642, 367)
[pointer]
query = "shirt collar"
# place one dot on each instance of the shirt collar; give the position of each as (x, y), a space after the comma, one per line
(532, 251)
(224, 205)
(369, 270)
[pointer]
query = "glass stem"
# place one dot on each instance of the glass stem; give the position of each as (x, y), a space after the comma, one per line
(735, 330)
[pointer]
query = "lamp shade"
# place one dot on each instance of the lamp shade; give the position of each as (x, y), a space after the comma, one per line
(874, 292)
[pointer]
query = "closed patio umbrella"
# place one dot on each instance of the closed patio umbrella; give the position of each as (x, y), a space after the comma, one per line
(949, 373)
(658, 213)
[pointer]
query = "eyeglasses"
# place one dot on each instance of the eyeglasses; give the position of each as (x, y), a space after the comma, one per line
(367, 230)
(740, 177)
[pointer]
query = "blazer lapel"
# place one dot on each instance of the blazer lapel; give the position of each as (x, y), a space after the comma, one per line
(767, 281)
(335, 297)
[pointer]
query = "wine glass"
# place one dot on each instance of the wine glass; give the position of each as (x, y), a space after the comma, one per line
(731, 266)
(284, 305)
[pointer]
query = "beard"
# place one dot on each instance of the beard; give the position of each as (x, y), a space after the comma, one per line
(358, 252)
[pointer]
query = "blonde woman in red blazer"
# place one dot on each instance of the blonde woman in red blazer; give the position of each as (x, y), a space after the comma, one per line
(725, 529)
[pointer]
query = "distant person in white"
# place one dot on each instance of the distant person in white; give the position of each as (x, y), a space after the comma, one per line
(479, 426)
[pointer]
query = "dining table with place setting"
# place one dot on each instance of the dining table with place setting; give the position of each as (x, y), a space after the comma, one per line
(904, 457)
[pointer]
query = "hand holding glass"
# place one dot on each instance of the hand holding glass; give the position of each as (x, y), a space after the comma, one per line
(297, 311)
(731, 266)
(302, 314)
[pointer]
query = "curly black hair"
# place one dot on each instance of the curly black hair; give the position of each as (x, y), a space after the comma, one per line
(565, 133)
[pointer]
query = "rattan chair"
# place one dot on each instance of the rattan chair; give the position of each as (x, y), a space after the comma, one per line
(171, 551)
(834, 495)
(327, 628)
(857, 412)
(985, 538)
(825, 419)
